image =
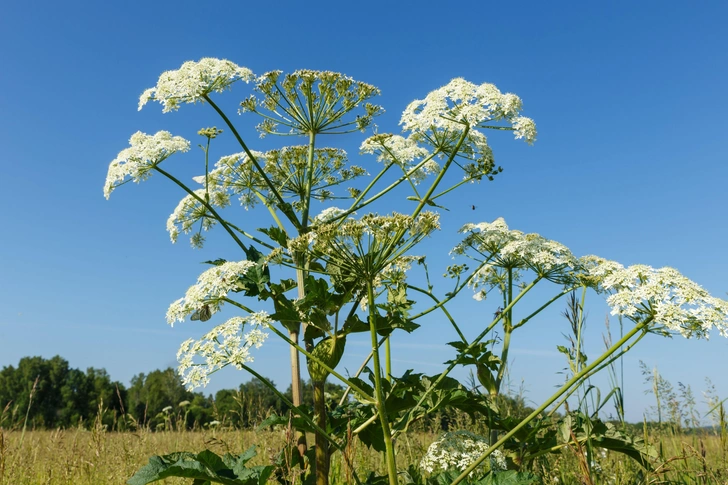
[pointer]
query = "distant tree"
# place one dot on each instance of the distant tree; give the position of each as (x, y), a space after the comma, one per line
(332, 392)
(149, 394)
(63, 396)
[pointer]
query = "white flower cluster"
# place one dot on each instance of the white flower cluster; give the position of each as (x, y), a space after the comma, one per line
(193, 80)
(457, 450)
(190, 210)
(223, 345)
(212, 285)
(461, 102)
(395, 273)
(506, 248)
(328, 214)
(403, 151)
(673, 300)
(137, 161)
(636, 292)
(236, 174)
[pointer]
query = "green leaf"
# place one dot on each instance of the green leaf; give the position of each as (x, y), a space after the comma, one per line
(329, 351)
(205, 467)
(276, 234)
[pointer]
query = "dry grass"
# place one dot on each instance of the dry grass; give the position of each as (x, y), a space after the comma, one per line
(97, 457)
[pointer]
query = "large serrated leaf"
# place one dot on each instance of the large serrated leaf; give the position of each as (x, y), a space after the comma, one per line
(205, 467)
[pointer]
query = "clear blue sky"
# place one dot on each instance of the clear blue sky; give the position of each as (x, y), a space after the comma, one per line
(630, 162)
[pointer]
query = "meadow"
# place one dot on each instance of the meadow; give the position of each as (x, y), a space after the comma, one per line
(97, 456)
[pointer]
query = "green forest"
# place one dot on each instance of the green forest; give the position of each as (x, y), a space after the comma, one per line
(48, 393)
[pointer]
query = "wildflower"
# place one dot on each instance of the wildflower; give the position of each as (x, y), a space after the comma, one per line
(666, 296)
(327, 215)
(146, 152)
(403, 152)
(222, 346)
(330, 96)
(457, 450)
(212, 285)
(461, 103)
(192, 210)
(502, 247)
(193, 81)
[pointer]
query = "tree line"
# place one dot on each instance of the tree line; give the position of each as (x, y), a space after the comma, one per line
(48, 393)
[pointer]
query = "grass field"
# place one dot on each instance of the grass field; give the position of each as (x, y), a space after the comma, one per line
(97, 457)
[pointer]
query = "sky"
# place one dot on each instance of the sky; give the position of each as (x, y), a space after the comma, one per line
(630, 164)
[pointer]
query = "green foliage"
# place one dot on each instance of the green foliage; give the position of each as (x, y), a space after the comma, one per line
(205, 467)
(62, 397)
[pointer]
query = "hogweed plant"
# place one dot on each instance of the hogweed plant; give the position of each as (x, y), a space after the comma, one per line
(348, 270)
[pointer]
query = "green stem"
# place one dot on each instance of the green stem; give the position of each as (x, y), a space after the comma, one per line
(542, 307)
(475, 342)
(343, 379)
(272, 211)
(309, 181)
(451, 295)
(358, 373)
(304, 416)
(641, 327)
(387, 359)
(254, 160)
(444, 310)
(381, 405)
(322, 448)
(440, 175)
(594, 371)
(507, 331)
(355, 206)
(204, 203)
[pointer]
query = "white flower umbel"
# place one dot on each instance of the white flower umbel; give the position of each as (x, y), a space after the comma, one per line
(502, 247)
(136, 162)
(224, 345)
(329, 97)
(212, 285)
(671, 299)
(461, 103)
(327, 215)
(402, 151)
(237, 174)
(194, 80)
(457, 450)
(190, 211)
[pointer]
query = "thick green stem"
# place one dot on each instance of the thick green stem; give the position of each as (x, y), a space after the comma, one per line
(576, 379)
(381, 406)
(322, 446)
(364, 396)
(358, 373)
(387, 360)
(309, 181)
(507, 331)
